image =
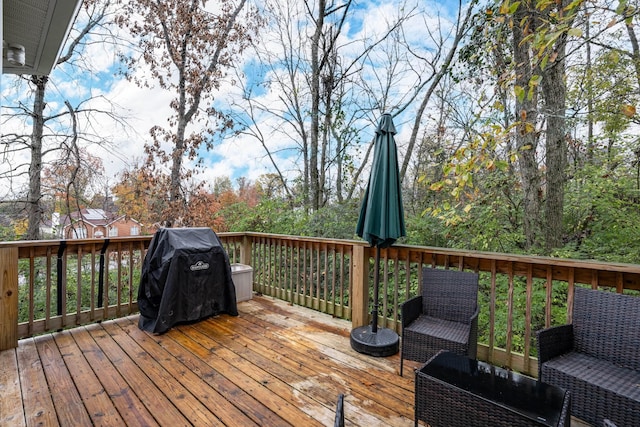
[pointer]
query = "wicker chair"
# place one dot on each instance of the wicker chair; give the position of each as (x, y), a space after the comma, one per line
(596, 357)
(443, 317)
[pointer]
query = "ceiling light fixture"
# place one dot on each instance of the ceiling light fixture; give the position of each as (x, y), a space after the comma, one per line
(16, 55)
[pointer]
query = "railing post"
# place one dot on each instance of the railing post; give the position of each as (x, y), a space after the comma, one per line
(360, 286)
(8, 298)
(245, 250)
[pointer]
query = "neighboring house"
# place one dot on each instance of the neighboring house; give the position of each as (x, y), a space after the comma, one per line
(95, 223)
(49, 229)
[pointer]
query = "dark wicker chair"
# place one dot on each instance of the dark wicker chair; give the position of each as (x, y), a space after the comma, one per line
(596, 358)
(443, 317)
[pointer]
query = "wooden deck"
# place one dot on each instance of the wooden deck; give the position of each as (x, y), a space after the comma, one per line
(273, 365)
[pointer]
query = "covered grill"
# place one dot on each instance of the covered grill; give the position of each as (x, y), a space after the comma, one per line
(186, 276)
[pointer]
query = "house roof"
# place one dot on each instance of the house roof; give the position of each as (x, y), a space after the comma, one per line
(92, 217)
(40, 26)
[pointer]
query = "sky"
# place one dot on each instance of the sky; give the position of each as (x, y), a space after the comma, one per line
(143, 108)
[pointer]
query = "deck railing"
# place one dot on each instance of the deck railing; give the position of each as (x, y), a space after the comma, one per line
(51, 285)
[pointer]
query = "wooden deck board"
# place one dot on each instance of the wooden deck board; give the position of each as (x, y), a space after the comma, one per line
(98, 404)
(273, 365)
(11, 407)
(69, 406)
(146, 389)
(123, 398)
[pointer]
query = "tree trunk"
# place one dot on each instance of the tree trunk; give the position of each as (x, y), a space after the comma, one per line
(526, 136)
(554, 92)
(34, 205)
(589, 85)
(634, 42)
(315, 108)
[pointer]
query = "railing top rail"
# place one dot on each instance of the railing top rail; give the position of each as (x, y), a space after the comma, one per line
(27, 248)
(530, 259)
(302, 238)
(467, 254)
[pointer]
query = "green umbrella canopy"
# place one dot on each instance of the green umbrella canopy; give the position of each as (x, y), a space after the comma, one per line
(381, 219)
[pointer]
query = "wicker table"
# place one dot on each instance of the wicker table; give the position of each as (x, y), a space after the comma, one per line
(453, 390)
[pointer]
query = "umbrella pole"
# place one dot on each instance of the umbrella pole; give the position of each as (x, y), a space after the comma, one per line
(370, 339)
(376, 282)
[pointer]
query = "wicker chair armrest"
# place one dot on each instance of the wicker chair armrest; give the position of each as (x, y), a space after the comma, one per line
(474, 316)
(473, 335)
(553, 342)
(411, 309)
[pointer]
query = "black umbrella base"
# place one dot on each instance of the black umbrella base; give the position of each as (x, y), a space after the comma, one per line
(383, 343)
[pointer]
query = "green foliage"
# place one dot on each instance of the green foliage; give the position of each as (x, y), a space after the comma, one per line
(611, 84)
(336, 221)
(602, 216)
(7, 233)
(425, 230)
(270, 215)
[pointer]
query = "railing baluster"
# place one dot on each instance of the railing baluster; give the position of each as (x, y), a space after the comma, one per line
(547, 306)
(32, 292)
(492, 311)
(527, 317)
(119, 280)
(47, 303)
(396, 287)
(294, 268)
(78, 284)
(334, 284)
(105, 291)
(318, 277)
(130, 281)
(570, 298)
(92, 284)
(509, 314)
(62, 298)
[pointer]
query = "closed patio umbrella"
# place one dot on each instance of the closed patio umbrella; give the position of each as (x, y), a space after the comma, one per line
(381, 222)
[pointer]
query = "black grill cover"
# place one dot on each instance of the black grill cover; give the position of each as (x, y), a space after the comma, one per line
(186, 276)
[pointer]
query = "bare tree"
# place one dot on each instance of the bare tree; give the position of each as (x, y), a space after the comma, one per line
(309, 96)
(440, 63)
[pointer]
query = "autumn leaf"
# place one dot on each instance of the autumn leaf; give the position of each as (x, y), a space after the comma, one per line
(628, 110)
(575, 32)
(436, 186)
(504, 8)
